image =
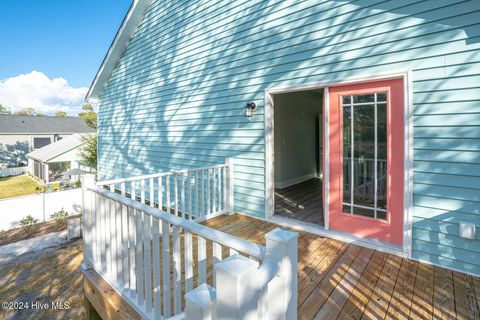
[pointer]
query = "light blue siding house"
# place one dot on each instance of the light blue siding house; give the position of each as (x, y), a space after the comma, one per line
(352, 119)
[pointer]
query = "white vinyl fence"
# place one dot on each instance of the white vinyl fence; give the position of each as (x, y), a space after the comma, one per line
(7, 172)
(39, 206)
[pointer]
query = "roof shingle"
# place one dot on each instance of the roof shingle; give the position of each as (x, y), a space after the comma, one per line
(49, 125)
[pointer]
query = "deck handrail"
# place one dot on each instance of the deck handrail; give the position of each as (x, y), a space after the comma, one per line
(157, 175)
(250, 248)
(195, 193)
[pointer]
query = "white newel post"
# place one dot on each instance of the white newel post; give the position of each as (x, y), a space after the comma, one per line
(282, 246)
(229, 186)
(200, 303)
(88, 181)
(237, 294)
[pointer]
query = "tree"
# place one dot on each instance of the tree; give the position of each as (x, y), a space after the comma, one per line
(61, 114)
(26, 112)
(88, 153)
(4, 110)
(89, 115)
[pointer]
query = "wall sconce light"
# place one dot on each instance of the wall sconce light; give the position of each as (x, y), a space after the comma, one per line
(249, 109)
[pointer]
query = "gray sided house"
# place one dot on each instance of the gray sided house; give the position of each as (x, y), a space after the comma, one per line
(20, 135)
(358, 120)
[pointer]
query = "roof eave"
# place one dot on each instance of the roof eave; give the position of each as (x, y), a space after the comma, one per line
(124, 34)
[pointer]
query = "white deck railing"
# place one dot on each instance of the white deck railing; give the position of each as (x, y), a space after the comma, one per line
(195, 194)
(163, 264)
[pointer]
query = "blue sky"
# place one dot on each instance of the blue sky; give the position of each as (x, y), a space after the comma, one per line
(60, 39)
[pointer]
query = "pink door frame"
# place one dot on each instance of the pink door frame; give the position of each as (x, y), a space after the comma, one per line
(390, 230)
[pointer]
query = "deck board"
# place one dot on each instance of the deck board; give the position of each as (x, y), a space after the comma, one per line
(402, 294)
(337, 280)
(465, 301)
(422, 301)
(382, 293)
(339, 296)
(357, 302)
(443, 296)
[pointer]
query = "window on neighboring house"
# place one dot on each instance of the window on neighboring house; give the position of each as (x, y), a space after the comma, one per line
(40, 142)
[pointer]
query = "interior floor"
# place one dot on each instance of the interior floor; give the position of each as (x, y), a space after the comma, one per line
(301, 201)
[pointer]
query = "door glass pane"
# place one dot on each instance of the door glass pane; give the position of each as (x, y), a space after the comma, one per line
(365, 171)
(382, 156)
(364, 98)
(347, 148)
(363, 160)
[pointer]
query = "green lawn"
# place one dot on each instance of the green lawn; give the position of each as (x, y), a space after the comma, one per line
(17, 186)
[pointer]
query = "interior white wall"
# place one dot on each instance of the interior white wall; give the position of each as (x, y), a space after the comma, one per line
(296, 136)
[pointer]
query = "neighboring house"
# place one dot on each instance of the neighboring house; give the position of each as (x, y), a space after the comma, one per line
(50, 162)
(20, 135)
(358, 120)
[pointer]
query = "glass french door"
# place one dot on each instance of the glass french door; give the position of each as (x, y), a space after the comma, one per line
(366, 159)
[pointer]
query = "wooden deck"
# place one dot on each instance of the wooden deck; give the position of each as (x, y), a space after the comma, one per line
(302, 201)
(343, 281)
(337, 280)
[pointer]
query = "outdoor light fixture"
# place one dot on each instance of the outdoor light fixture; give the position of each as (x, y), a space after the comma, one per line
(249, 109)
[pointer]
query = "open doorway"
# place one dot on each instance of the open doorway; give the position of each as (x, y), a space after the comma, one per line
(298, 153)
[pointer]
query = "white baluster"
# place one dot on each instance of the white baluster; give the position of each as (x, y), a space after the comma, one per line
(214, 205)
(156, 268)
(160, 193)
(147, 222)
(202, 192)
(142, 191)
(188, 251)
(217, 256)
(208, 194)
(139, 257)
(175, 186)
(219, 190)
(177, 272)
(197, 211)
(132, 238)
(166, 268)
(124, 236)
(167, 189)
(152, 193)
(184, 207)
(190, 200)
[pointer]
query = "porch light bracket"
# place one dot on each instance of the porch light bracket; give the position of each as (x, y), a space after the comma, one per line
(250, 109)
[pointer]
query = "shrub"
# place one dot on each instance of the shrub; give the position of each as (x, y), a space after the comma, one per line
(78, 184)
(60, 217)
(29, 224)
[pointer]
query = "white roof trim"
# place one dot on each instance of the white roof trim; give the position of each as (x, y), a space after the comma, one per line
(124, 34)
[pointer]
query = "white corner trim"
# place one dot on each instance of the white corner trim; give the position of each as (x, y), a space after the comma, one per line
(269, 156)
(326, 163)
(124, 34)
(408, 163)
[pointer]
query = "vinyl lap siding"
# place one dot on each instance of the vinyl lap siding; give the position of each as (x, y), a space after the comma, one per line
(176, 98)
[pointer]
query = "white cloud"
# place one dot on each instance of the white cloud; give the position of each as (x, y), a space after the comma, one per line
(45, 95)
